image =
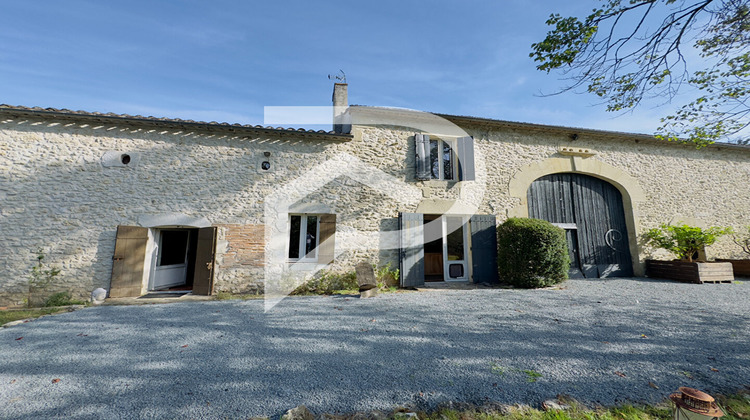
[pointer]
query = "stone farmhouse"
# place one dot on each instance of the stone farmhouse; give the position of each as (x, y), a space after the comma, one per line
(137, 204)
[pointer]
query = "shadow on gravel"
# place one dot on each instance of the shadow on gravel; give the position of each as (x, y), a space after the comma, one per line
(216, 359)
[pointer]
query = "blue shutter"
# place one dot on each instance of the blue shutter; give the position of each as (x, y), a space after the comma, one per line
(484, 248)
(411, 249)
(422, 157)
(465, 154)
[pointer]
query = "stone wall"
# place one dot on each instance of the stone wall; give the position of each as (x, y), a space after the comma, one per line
(661, 182)
(62, 192)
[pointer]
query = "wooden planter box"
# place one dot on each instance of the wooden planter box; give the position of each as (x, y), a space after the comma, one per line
(741, 267)
(691, 272)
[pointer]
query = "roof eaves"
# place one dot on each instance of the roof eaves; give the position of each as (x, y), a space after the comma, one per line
(619, 135)
(638, 137)
(140, 120)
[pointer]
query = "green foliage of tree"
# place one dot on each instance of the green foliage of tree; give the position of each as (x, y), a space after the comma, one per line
(743, 240)
(531, 253)
(683, 240)
(626, 51)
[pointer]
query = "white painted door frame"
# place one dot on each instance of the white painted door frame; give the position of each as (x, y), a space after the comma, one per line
(465, 261)
(170, 275)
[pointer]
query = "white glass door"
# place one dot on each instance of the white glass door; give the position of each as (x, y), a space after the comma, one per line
(171, 260)
(455, 248)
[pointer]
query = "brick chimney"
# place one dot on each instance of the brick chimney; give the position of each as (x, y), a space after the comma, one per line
(342, 121)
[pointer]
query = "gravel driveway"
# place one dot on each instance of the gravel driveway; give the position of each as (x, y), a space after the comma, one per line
(601, 341)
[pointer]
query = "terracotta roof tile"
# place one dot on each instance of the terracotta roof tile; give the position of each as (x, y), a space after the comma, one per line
(152, 119)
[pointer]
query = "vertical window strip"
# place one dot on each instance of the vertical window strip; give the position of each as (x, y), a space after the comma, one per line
(311, 237)
(435, 159)
(447, 161)
(295, 227)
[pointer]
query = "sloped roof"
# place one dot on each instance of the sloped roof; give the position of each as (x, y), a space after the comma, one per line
(463, 120)
(171, 122)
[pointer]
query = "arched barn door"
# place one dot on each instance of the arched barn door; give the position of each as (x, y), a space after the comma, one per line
(591, 212)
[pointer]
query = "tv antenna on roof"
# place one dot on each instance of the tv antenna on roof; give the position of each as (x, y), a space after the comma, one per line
(340, 78)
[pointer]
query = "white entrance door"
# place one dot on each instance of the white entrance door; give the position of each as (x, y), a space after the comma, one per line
(171, 260)
(454, 248)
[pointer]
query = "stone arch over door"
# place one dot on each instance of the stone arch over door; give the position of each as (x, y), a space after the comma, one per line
(628, 186)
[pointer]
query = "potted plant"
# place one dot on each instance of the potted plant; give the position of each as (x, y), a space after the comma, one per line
(686, 242)
(741, 266)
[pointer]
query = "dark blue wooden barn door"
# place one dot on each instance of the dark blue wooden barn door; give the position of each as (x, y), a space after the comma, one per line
(591, 211)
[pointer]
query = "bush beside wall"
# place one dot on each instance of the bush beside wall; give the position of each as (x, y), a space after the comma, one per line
(531, 253)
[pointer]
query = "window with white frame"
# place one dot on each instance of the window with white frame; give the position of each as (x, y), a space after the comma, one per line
(442, 162)
(304, 234)
(444, 159)
(312, 238)
(304, 231)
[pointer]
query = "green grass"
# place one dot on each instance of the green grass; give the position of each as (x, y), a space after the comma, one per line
(736, 407)
(532, 375)
(14, 315)
(346, 292)
(62, 299)
(497, 369)
(575, 413)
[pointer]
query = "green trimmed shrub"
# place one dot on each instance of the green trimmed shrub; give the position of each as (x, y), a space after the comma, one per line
(531, 253)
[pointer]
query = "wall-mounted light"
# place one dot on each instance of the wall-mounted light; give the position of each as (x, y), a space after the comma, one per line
(265, 163)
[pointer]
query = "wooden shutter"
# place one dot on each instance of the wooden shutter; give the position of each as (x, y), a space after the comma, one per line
(327, 242)
(422, 159)
(465, 154)
(411, 252)
(203, 279)
(484, 248)
(128, 261)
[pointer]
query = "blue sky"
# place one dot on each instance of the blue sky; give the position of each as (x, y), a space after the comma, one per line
(225, 60)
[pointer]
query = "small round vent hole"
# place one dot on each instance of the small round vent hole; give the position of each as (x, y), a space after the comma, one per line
(125, 158)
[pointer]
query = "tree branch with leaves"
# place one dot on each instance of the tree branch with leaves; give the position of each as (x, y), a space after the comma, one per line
(628, 51)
